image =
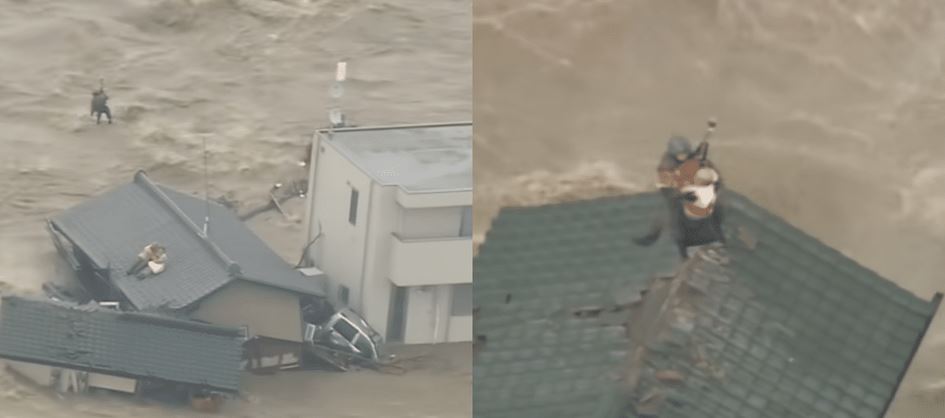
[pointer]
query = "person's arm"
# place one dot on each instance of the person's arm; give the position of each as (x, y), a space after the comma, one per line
(666, 172)
(702, 151)
(666, 178)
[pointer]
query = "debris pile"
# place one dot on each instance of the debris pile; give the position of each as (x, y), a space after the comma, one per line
(662, 325)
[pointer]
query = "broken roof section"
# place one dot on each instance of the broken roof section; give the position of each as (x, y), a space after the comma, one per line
(776, 324)
(113, 228)
(133, 345)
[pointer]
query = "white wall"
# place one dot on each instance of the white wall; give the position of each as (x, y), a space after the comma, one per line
(339, 252)
(429, 319)
(460, 329)
(36, 373)
(430, 222)
(420, 311)
(377, 285)
(119, 384)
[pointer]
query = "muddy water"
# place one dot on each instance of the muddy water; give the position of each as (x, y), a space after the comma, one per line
(250, 77)
(830, 115)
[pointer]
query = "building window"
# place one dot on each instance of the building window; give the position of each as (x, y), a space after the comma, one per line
(462, 300)
(465, 230)
(353, 207)
(343, 294)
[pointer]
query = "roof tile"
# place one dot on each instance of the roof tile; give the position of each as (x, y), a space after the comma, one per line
(788, 326)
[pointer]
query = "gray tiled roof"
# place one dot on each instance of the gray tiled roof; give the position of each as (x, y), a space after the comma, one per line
(776, 324)
(135, 345)
(538, 264)
(114, 227)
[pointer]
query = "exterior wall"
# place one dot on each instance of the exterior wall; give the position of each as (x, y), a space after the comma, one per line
(420, 315)
(340, 250)
(36, 373)
(377, 286)
(265, 311)
(118, 384)
(430, 222)
(430, 317)
(266, 353)
(42, 375)
(460, 329)
(460, 316)
(430, 261)
(434, 200)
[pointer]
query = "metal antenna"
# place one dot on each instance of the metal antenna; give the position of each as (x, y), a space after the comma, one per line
(336, 117)
(712, 122)
(705, 138)
(206, 187)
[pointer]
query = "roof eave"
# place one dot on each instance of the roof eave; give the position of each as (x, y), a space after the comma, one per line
(936, 302)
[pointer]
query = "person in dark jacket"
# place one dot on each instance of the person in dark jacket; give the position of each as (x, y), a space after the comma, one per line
(677, 174)
(100, 106)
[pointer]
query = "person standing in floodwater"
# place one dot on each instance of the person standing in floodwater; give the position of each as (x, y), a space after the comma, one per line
(100, 106)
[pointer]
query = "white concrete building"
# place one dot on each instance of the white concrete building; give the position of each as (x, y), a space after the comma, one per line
(392, 209)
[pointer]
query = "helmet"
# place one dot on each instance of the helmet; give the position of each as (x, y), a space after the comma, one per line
(678, 145)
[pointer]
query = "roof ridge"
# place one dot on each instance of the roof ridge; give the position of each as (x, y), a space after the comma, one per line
(176, 323)
(231, 266)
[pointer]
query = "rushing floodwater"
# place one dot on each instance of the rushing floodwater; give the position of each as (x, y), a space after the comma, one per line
(830, 115)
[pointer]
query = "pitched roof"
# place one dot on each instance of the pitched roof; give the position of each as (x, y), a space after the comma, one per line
(535, 266)
(135, 345)
(774, 324)
(112, 228)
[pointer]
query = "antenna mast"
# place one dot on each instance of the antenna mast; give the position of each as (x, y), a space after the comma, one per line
(336, 117)
(206, 187)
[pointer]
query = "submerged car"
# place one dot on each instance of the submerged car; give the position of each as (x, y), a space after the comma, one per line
(347, 331)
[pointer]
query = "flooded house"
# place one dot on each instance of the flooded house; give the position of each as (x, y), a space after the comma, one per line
(391, 208)
(74, 348)
(574, 319)
(210, 266)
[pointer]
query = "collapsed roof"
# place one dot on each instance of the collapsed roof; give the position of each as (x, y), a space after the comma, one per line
(113, 228)
(134, 345)
(574, 320)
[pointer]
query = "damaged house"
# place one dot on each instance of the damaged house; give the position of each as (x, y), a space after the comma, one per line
(79, 347)
(223, 274)
(575, 320)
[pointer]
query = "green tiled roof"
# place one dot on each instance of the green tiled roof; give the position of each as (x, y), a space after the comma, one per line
(535, 266)
(781, 325)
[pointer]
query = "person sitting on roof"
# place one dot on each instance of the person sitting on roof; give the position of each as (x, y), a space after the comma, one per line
(690, 183)
(672, 173)
(154, 257)
(678, 150)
